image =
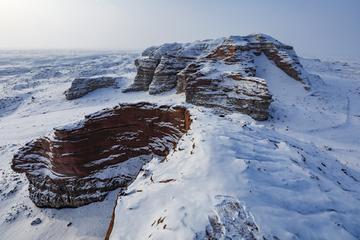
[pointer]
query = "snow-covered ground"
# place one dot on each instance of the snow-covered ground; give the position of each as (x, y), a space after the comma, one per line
(296, 176)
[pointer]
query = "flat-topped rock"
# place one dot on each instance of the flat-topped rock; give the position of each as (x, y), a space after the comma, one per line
(82, 86)
(217, 73)
(82, 162)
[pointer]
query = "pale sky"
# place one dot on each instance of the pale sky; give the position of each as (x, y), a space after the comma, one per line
(324, 27)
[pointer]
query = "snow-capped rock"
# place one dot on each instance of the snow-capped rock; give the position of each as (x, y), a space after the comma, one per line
(82, 86)
(218, 73)
(82, 162)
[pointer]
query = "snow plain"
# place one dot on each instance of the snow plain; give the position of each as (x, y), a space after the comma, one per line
(296, 175)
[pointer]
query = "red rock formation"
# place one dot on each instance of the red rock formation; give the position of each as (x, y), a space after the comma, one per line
(82, 163)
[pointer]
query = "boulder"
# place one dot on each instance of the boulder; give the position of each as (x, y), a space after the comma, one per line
(80, 163)
(36, 221)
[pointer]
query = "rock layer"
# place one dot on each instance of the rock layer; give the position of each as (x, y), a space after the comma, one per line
(217, 73)
(81, 163)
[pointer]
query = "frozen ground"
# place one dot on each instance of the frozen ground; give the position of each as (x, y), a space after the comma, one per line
(296, 176)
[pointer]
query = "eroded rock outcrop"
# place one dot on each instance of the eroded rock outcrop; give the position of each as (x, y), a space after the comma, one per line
(82, 162)
(217, 73)
(230, 220)
(82, 86)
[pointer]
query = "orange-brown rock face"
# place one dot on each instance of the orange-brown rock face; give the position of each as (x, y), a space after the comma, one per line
(81, 163)
(218, 73)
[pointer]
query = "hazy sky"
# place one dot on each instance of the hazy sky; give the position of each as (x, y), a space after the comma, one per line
(324, 27)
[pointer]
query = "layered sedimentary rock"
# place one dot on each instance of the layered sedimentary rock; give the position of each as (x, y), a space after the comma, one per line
(217, 73)
(82, 162)
(82, 86)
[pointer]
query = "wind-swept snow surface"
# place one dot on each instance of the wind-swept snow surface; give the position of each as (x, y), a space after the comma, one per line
(290, 187)
(294, 176)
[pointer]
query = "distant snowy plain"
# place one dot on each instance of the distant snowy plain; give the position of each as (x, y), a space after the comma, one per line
(297, 175)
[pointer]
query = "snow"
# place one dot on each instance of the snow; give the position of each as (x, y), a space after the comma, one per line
(236, 157)
(296, 175)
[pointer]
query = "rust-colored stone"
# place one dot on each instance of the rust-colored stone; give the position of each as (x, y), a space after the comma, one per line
(105, 151)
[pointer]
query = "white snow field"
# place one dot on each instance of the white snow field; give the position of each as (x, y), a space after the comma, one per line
(296, 175)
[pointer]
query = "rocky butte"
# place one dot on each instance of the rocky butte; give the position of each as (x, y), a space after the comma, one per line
(82, 162)
(219, 73)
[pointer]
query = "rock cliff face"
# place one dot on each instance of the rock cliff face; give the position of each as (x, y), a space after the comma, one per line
(82, 86)
(217, 73)
(81, 163)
